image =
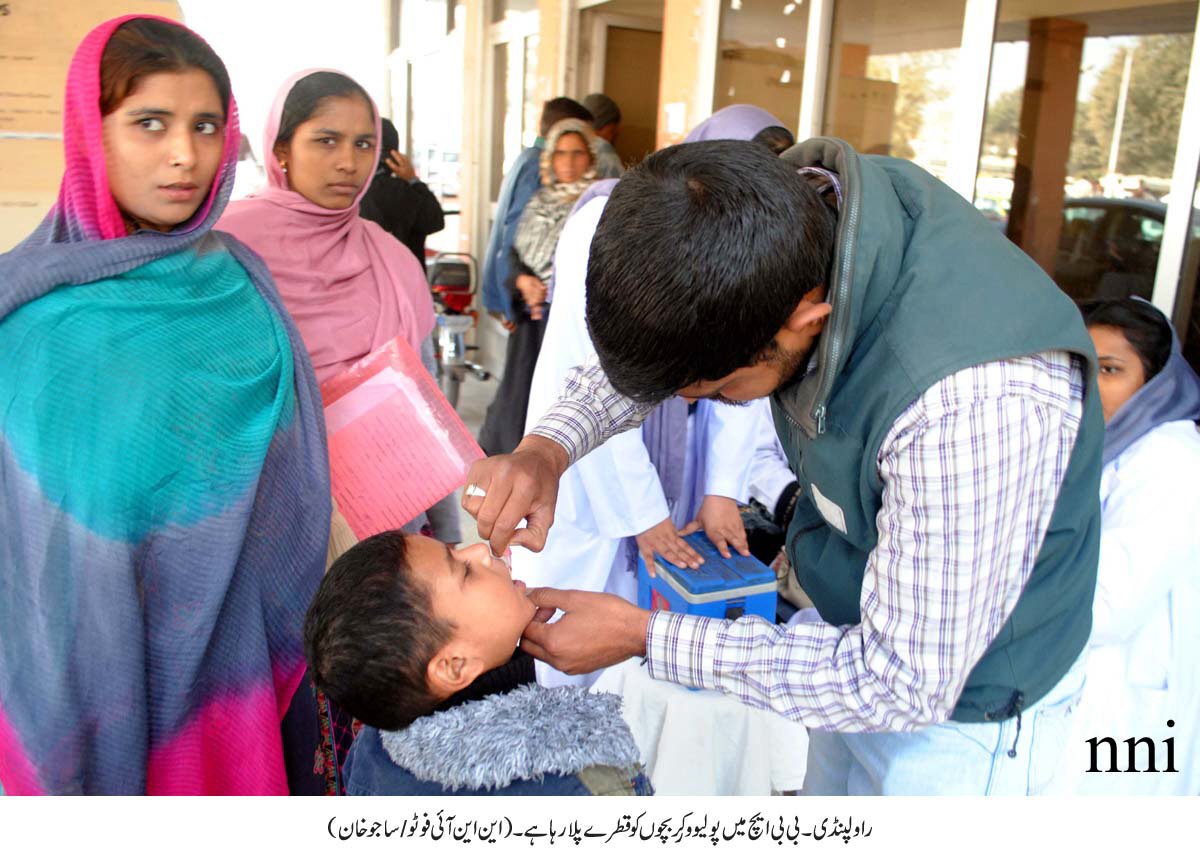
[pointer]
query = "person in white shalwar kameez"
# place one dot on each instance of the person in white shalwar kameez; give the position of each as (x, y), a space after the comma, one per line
(1143, 666)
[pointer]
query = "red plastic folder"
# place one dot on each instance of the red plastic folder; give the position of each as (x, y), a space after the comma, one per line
(396, 446)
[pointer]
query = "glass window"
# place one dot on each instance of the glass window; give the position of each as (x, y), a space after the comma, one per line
(1187, 302)
(760, 59)
(1082, 121)
(421, 22)
(516, 109)
(435, 102)
(892, 77)
(1151, 230)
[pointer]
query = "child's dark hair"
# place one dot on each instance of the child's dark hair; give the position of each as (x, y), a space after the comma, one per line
(1143, 326)
(146, 46)
(306, 96)
(370, 634)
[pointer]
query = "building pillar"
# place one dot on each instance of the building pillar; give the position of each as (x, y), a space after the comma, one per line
(473, 198)
(689, 58)
(1044, 139)
(552, 14)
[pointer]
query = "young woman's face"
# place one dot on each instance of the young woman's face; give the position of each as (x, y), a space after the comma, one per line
(163, 146)
(1121, 370)
(570, 158)
(332, 154)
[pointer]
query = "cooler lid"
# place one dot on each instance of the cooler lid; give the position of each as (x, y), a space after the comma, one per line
(717, 573)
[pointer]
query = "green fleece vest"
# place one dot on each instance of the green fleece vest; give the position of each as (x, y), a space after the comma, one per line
(922, 287)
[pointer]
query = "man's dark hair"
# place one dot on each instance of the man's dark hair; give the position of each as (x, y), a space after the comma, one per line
(604, 110)
(776, 138)
(701, 255)
(557, 109)
(370, 633)
(306, 97)
(1142, 325)
(389, 138)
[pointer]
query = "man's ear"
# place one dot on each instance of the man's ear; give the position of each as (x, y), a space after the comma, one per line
(810, 313)
(451, 669)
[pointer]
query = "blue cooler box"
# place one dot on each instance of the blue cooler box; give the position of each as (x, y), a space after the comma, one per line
(720, 588)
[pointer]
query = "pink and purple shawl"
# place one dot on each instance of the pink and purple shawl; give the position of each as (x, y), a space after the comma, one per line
(164, 493)
(350, 286)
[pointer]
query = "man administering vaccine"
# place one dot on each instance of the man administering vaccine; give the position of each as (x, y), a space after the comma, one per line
(935, 395)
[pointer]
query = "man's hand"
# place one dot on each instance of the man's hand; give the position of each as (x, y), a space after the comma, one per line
(722, 523)
(597, 630)
(662, 538)
(523, 485)
(399, 165)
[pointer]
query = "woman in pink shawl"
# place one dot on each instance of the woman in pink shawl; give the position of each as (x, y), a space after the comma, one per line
(350, 286)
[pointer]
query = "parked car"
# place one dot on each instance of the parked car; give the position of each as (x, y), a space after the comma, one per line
(1109, 247)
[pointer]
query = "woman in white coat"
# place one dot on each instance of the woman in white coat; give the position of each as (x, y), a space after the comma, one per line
(1143, 675)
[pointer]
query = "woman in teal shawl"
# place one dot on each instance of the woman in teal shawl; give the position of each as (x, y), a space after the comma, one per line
(164, 489)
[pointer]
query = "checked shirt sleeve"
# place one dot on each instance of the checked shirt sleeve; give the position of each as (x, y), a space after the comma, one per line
(971, 472)
(589, 412)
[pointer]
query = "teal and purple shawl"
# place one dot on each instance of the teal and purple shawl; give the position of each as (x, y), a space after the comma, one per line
(164, 494)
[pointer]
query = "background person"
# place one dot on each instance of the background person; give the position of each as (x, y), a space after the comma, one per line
(520, 183)
(1144, 654)
(399, 201)
(568, 167)
(165, 488)
(606, 122)
(351, 286)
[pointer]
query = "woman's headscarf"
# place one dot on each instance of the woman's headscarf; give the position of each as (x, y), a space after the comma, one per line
(735, 122)
(544, 216)
(1171, 395)
(163, 492)
(350, 286)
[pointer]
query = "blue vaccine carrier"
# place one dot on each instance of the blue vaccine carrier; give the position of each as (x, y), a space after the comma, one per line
(719, 588)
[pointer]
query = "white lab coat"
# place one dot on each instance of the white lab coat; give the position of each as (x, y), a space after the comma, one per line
(1144, 654)
(613, 493)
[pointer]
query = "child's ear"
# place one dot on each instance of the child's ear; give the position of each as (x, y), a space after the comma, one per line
(451, 670)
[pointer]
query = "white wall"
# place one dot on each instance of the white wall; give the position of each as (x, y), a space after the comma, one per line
(264, 41)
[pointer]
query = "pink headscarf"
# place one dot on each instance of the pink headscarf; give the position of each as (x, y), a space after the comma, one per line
(86, 209)
(350, 286)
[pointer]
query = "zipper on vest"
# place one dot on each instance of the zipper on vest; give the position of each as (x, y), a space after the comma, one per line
(839, 298)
